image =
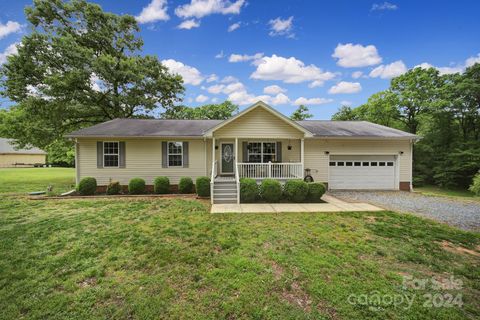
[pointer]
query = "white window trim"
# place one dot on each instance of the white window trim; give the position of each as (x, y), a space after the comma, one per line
(174, 154)
(261, 150)
(111, 154)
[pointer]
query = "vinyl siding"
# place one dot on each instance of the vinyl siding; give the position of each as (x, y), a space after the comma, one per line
(9, 160)
(143, 159)
(258, 123)
(317, 160)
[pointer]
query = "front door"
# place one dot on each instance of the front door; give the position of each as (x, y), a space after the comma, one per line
(227, 158)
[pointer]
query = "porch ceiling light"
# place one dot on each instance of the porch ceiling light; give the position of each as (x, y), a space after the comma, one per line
(327, 152)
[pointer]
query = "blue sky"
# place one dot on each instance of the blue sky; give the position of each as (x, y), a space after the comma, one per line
(322, 54)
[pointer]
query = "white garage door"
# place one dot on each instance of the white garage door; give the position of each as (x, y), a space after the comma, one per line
(362, 172)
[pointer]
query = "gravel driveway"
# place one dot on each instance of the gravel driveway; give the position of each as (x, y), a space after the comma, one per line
(459, 213)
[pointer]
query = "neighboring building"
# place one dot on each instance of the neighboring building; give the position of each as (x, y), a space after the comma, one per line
(11, 157)
(258, 142)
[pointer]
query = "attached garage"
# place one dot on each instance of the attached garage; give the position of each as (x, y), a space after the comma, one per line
(367, 172)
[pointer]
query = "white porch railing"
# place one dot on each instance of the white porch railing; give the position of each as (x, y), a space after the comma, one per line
(271, 170)
(212, 179)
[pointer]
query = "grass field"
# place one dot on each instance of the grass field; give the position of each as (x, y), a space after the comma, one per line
(441, 192)
(170, 258)
(23, 180)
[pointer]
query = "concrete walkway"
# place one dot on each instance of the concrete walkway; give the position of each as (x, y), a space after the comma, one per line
(332, 205)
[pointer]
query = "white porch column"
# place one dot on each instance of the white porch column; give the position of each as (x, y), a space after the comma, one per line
(302, 156)
(236, 153)
(213, 155)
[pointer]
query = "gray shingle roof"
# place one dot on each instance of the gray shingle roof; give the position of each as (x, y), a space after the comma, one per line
(194, 128)
(364, 129)
(6, 147)
(147, 128)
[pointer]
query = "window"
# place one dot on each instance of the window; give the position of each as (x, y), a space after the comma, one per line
(175, 154)
(390, 164)
(348, 164)
(110, 154)
(373, 164)
(381, 164)
(332, 164)
(262, 152)
(366, 164)
(357, 164)
(340, 163)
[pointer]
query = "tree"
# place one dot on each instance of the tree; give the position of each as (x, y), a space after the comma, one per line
(219, 111)
(380, 108)
(80, 66)
(301, 113)
(345, 113)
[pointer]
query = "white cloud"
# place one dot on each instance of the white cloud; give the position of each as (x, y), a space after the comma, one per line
(189, 24)
(212, 78)
(234, 27)
(220, 55)
(345, 87)
(233, 87)
(11, 49)
(8, 28)
(459, 68)
(202, 8)
(228, 79)
(274, 89)
(383, 6)
(216, 89)
(355, 55)
(346, 103)
(155, 11)
(289, 70)
(201, 98)
(310, 101)
(244, 57)
(357, 74)
(281, 27)
(190, 74)
(388, 71)
(280, 98)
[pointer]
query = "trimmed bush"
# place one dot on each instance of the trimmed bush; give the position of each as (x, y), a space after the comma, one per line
(161, 185)
(185, 185)
(475, 187)
(296, 190)
(202, 186)
(114, 187)
(87, 186)
(136, 186)
(315, 191)
(271, 190)
(248, 190)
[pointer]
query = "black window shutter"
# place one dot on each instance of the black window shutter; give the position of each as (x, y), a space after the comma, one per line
(279, 151)
(121, 152)
(245, 151)
(99, 154)
(164, 154)
(185, 154)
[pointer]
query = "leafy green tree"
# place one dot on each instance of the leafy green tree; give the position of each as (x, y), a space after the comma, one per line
(380, 108)
(80, 66)
(345, 113)
(219, 111)
(302, 113)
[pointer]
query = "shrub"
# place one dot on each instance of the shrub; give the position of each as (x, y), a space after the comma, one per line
(475, 187)
(296, 190)
(248, 190)
(114, 187)
(136, 186)
(202, 186)
(315, 191)
(185, 185)
(271, 190)
(161, 185)
(87, 186)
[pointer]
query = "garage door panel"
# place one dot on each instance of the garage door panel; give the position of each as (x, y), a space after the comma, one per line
(362, 177)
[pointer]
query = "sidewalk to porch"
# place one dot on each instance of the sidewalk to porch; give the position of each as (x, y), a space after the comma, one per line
(331, 204)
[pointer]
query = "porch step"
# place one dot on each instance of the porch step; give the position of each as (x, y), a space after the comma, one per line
(224, 191)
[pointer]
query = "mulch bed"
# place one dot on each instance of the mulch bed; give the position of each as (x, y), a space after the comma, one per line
(104, 196)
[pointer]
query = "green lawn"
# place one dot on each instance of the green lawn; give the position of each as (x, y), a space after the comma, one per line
(23, 180)
(170, 258)
(164, 258)
(441, 192)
